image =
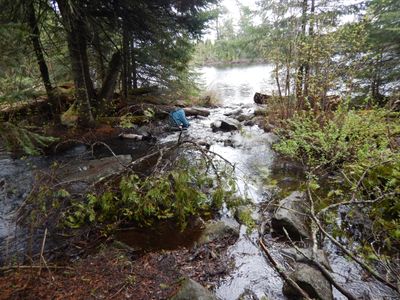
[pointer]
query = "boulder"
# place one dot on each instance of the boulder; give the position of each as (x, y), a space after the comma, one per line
(215, 230)
(289, 215)
(311, 280)
(225, 125)
(190, 290)
(261, 98)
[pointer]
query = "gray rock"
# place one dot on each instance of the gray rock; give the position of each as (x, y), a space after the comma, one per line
(233, 112)
(289, 215)
(311, 280)
(216, 230)
(225, 125)
(91, 171)
(191, 290)
(249, 123)
(298, 257)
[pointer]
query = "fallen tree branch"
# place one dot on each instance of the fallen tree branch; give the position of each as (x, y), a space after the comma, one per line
(323, 270)
(352, 256)
(279, 269)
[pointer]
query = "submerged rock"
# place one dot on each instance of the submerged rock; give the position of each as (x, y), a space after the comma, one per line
(91, 171)
(225, 125)
(191, 290)
(320, 256)
(290, 215)
(216, 230)
(311, 280)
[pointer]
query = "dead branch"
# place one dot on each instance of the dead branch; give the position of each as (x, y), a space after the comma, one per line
(323, 270)
(281, 272)
(352, 256)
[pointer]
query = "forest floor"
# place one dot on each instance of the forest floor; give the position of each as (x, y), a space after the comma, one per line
(114, 273)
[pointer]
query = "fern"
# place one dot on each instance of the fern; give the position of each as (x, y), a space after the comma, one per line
(21, 139)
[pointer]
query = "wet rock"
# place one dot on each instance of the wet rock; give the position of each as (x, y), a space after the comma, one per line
(249, 123)
(259, 121)
(248, 295)
(261, 98)
(196, 111)
(91, 171)
(289, 215)
(311, 280)
(233, 113)
(268, 127)
(298, 257)
(225, 125)
(190, 290)
(216, 230)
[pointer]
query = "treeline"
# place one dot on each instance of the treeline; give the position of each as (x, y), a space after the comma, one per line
(232, 44)
(317, 47)
(97, 44)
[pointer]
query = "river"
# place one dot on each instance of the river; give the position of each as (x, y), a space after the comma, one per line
(249, 149)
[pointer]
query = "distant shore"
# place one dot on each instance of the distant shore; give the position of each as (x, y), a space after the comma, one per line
(233, 62)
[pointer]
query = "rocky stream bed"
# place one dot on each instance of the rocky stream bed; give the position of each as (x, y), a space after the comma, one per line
(220, 259)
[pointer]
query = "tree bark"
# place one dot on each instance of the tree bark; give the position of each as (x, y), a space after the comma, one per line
(300, 71)
(110, 81)
(77, 46)
(44, 71)
(307, 65)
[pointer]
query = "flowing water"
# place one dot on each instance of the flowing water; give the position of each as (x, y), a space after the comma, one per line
(249, 149)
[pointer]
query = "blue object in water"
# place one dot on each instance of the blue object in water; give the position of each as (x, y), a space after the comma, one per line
(178, 118)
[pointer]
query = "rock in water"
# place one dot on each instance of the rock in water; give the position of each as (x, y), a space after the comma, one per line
(311, 280)
(225, 125)
(290, 215)
(261, 98)
(191, 290)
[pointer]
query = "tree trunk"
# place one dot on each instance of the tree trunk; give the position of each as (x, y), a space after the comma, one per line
(300, 71)
(77, 46)
(108, 87)
(307, 65)
(44, 71)
(126, 81)
(134, 77)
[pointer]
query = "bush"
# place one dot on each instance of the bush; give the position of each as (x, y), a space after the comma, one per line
(177, 195)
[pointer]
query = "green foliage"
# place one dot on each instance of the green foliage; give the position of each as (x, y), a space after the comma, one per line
(346, 137)
(18, 138)
(358, 145)
(176, 195)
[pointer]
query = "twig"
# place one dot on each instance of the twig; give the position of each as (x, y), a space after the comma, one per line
(352, 256)
(323, 270)
(279, 269)
(352, 202)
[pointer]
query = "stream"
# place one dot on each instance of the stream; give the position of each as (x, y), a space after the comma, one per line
(255, 163)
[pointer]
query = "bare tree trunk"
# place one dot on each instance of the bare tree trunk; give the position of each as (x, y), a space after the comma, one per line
(125, 61)
(110, 81)
(44, 71)
(300, 71)
(307, 65)
(77, 45)
(134, 77)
